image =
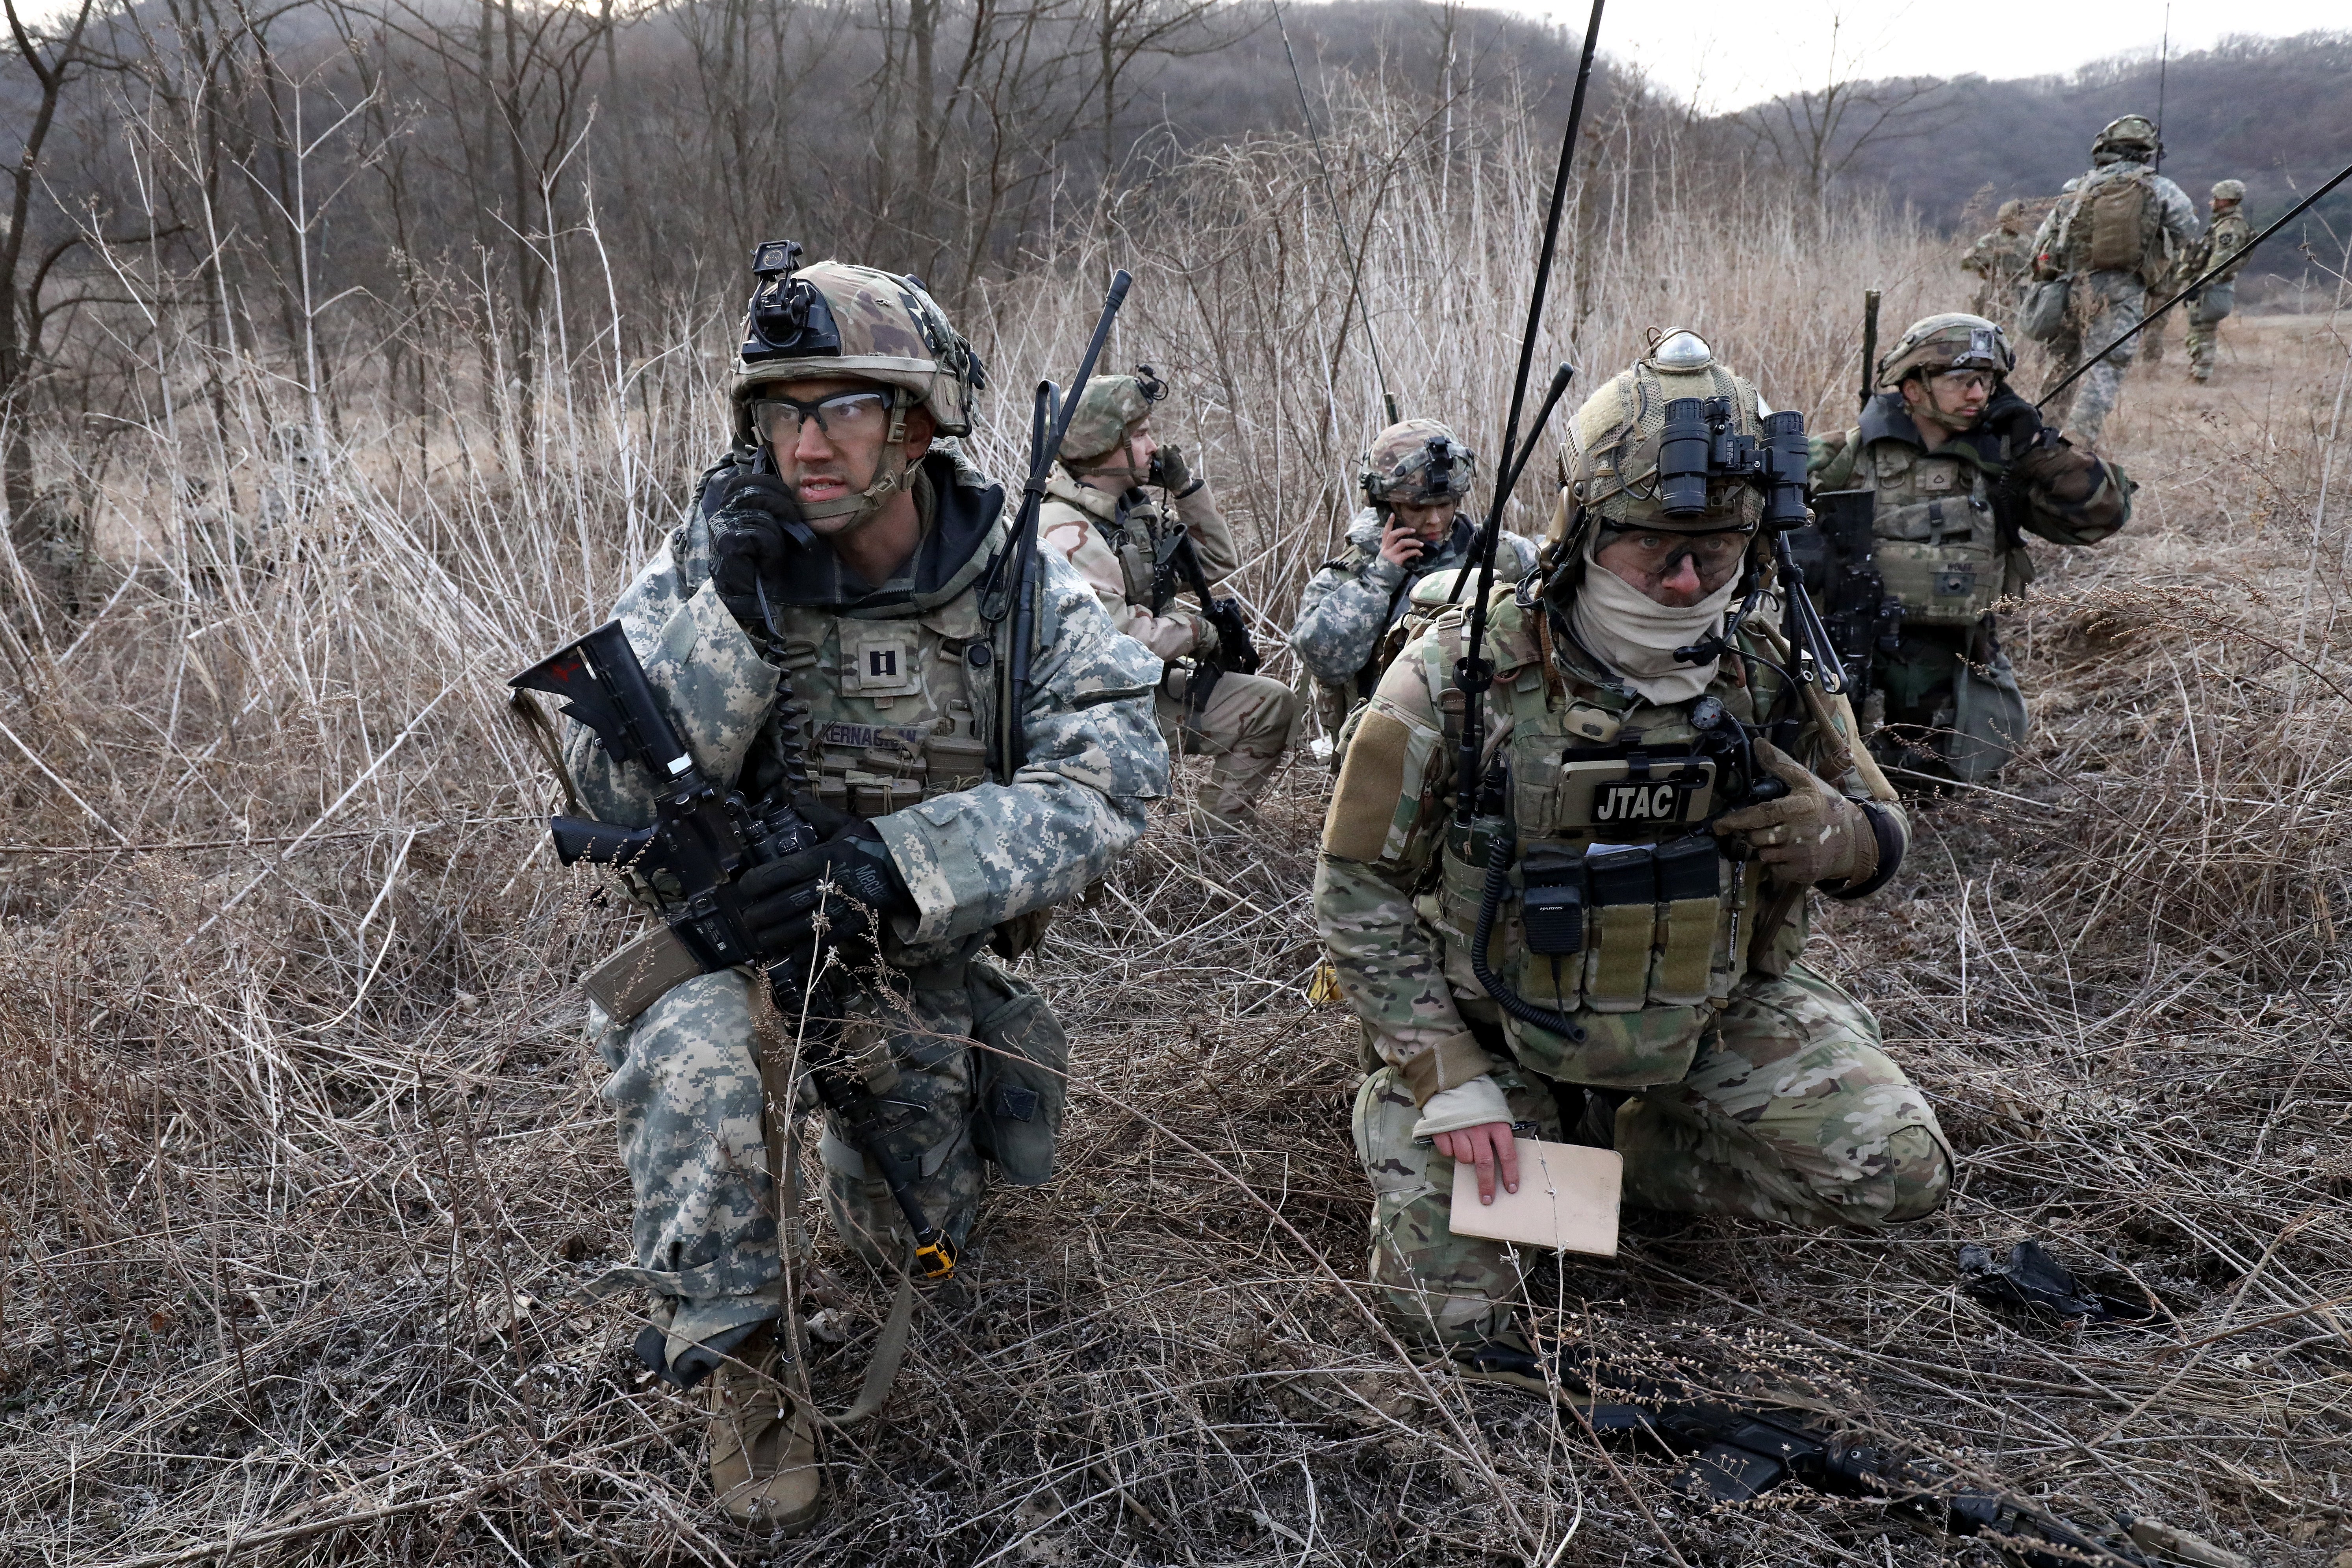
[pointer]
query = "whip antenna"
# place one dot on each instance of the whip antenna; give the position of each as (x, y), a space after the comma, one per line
(2163, 58)
(1473, 673)
(1331, 199)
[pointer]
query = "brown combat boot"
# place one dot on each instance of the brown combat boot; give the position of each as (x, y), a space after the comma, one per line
(763, 1464)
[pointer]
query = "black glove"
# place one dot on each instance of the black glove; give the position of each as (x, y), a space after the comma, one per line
(1168, 471)
(753, 532)
(2017, 422)
(781, 899)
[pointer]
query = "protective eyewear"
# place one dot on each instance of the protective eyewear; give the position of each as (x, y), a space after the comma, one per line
(1966, 381)
(1656, 551)
(846, 416)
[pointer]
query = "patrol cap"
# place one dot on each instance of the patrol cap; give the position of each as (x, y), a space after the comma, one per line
(1416, 462)
(833, 319)
(1107, 408)
(2228, 190)
(2131, 136)
(1952, 341)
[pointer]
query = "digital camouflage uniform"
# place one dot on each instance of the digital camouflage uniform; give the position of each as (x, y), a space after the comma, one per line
(2224, 242)
(1117, 543)
(2114, 238)
(1750, 1084)
(888, 695)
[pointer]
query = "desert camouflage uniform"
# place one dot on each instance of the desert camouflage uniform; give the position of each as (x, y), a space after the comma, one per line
(1111, 541)
(2105, 305)
(2224, 241)
(1752, 1085)
(874, 674)
(1357, 603)
(1951, 545)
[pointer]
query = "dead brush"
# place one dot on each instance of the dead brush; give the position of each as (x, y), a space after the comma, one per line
(302, 1162)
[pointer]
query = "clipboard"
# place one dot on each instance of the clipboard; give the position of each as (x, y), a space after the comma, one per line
(1567, 1200)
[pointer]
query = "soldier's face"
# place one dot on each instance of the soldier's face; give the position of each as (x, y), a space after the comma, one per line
(2221, 206)
(1677, 570)
(1427, 523)
(825, 459)
(1955, 399)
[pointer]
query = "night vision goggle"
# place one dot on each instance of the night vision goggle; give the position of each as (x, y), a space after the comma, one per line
(1440, 468)
(1698, 450)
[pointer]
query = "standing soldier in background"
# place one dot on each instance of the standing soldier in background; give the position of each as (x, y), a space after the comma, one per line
(2001, 256)
(822, 607)
(2224, 242)
(1099, 517)
(1653, 998)
(1960, 468)
(1402, 548)
(2114, 238)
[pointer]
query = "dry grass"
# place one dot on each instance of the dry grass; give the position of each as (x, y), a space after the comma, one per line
(302, 1159)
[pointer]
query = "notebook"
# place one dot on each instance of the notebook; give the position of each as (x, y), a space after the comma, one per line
(1567, 1200)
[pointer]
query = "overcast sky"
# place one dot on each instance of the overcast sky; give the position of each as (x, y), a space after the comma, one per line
(1725, 55)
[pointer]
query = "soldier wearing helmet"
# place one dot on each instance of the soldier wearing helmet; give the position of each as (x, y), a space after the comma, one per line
(1999, 258)
(820, 629)
(1963, 468)
(2114, 236)
(1101, 515)
(1398, 567)
(1641, 988)
(2224, 243)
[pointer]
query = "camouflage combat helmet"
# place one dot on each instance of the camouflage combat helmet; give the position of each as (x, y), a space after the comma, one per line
(832, 319)
(1418, 462)
(2228, 190)
(2130, 137)
(2010, 215)
(1950, 340)
(1617, 432)
(1108, 407)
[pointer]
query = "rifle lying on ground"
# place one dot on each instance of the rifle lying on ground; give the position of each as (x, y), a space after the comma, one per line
(700, 840)
(1736, 1450)
(1236, 651)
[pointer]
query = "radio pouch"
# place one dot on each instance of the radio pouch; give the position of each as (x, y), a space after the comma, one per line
(1690, 886)
(1624, 884)
(1551, 908)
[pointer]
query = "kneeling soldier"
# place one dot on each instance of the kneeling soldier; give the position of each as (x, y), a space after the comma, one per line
(1099, 516)
(1644, 987)
(1961, 468)
(826, 612)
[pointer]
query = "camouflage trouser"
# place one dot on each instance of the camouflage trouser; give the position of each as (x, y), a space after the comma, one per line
(2151, 341)
(2206, 310)
(1247, 724)
(1791, 1114)
(698, 1124)
(1948, 715)
(2110, 304)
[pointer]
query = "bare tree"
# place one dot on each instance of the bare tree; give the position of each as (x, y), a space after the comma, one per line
(1817, 134)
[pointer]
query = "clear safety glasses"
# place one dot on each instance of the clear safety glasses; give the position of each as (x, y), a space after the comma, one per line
(1657, 551)
(845, 416)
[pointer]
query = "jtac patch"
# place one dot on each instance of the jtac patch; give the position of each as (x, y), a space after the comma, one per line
(1635, 791)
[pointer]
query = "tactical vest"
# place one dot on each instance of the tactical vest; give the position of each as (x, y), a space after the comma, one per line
(1135, 533)
(891, 712)
(1940, 546)
(2117, 225)
(1623, 908)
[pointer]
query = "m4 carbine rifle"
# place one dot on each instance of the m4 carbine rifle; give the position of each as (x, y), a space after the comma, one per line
(1178, 557)
(701, 839)
(1838, 559)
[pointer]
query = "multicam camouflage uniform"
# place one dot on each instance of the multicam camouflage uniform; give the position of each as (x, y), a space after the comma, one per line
(1353, 613)
(2001, 256)
(1117, 542)
(1750, 1084)
(2115, 235)
(900, 678)
(1950, 522)
(2225, 241)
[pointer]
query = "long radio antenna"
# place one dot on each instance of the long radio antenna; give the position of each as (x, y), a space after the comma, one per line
(1339, 220)
(2163, 58)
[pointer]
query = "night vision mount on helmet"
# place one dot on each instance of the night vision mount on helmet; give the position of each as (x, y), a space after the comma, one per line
(1418, 462)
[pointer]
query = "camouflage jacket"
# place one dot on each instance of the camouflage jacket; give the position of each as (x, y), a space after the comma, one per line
(1950, 522)
(2224, 242)
(1399, 885)
(2063, 240)
(1113, 541)
(1359, 593)
(1998, 256)
(972, 857)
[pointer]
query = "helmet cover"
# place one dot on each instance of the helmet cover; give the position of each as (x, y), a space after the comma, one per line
(833, 320)
(2228, 190)
(1617, 432)
(2126, 137)
(1950, 340)
(1417, 462)
(1108, 407)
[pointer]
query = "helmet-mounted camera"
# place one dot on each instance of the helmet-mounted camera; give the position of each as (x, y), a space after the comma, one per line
(787, 317)
(1699, 451)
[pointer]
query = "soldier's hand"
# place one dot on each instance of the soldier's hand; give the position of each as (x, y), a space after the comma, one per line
(1169, 470)
(2012, 418)
(1401, 545)
(1491, 1149)
(785, 900)
(755, 530)
(1205, 640)
(1810, 836)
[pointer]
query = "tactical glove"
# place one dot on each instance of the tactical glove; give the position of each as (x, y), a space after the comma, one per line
(752, 534)
(2017, 422)
(1812, 835)
(783, 901)
(1168, 469)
